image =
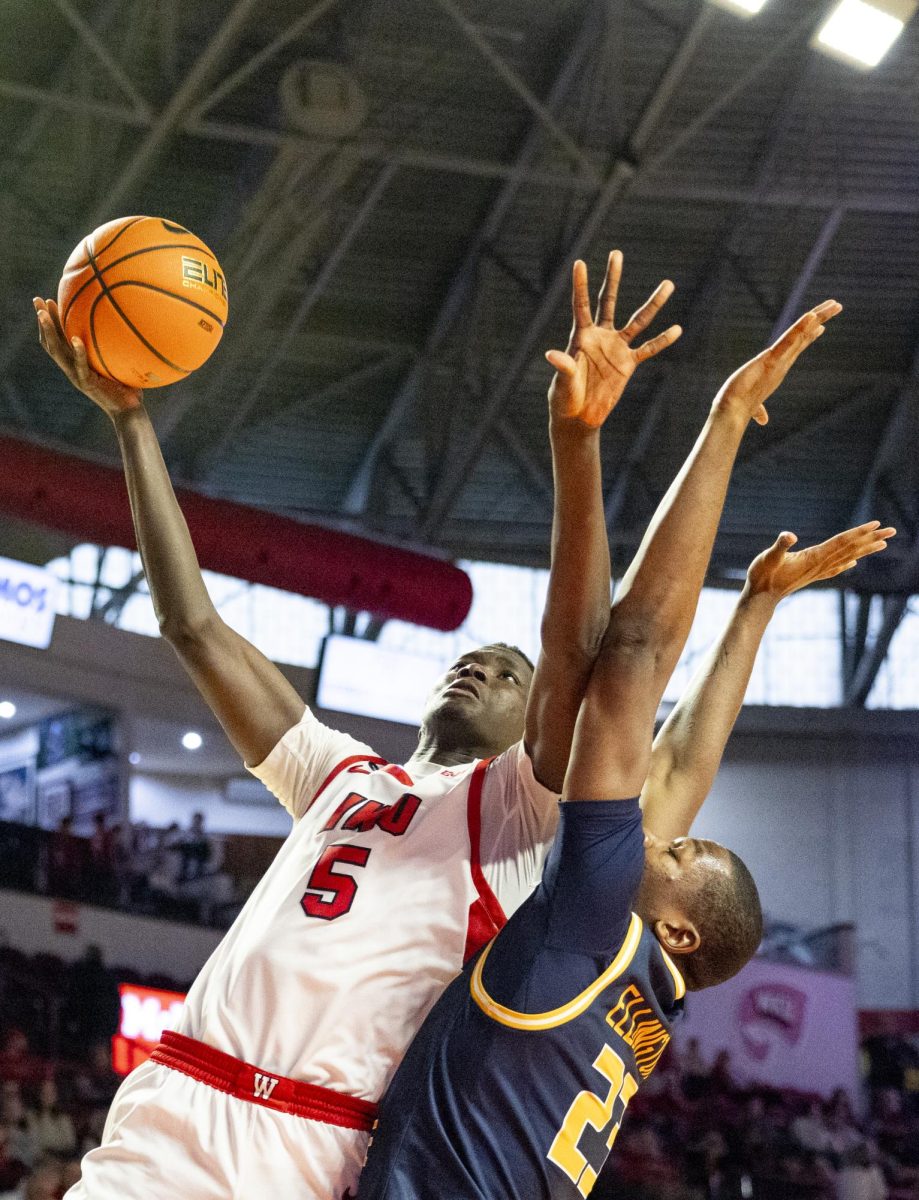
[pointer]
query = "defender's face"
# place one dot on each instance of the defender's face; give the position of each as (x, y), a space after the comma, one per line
(682, 860)
(486, 692)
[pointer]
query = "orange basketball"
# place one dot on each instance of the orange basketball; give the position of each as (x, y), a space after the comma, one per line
(147, 298)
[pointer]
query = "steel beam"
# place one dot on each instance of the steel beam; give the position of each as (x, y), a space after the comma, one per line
(866, 671)
(298, 318)
(103, 56)
(812, 264)
(616, 187)
(415, 158)
(896, 446)
(165, 124)
(532, 470)
(513, 81)
(258, 60)
(461, 285)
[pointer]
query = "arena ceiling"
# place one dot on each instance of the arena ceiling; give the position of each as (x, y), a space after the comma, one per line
(396, 190)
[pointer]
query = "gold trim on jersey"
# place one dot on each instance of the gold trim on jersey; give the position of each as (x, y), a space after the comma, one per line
(679, 983)
(567, 1012)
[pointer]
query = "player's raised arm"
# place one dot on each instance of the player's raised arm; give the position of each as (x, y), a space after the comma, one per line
(689, 747)
(652, 615)
(590, 379)
(247, 693)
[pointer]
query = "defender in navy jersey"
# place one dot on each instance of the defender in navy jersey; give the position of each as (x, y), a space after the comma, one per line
(517, 1083)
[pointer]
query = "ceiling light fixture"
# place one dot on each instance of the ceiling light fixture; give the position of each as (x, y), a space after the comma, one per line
(7, 709)
(744, 8)
(192, 740)
(860, 33)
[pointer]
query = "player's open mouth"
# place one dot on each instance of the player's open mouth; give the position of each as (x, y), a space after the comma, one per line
(462, 685)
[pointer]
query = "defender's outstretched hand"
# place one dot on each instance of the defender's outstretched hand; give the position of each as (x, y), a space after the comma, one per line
(778, 572)
(70, 356)
(591, 375)
(749, 388)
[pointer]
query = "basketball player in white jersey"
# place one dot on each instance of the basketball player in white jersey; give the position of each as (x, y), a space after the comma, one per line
(392, 875)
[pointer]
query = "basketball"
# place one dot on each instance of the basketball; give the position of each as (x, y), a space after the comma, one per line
(147, 298)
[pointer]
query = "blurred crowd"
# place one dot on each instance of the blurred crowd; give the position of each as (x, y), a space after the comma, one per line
(56, 1077)
(171, 872)
(694, 1132)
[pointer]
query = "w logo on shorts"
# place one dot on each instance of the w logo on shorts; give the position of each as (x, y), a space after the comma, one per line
(264, 1086)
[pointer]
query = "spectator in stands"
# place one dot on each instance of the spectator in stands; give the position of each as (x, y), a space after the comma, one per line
(96, 1083)
(92, 1004)
(16, 1061)
(721, 1076)
(20, 1144)
(195, 848)
(44, 1183)
(51, 1128)
(70, 1174)
(187, 878)
(693, 1070)
(66, 862)
(101, 861)
(860, 1177)
(810, 1131)
(121, 841)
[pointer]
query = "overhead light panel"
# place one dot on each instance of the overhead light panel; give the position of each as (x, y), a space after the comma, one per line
(7, 710)
(192, 740)
(861, 33)
(746, 8)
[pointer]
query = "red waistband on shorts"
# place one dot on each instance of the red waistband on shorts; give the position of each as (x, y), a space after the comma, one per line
(246, 1082)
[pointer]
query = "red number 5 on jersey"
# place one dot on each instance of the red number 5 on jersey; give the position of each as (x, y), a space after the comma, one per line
(340, 886)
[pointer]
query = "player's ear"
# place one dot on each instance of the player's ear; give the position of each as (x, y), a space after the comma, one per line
(678, 935)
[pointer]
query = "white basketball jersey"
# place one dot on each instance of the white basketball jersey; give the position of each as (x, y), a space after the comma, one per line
(391, 877)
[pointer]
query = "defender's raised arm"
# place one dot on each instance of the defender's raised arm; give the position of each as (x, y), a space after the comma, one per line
(591, 377)
(689, 747)
(653, 611)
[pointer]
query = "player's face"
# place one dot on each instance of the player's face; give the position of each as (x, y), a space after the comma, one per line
(484, 693)
(684, 861)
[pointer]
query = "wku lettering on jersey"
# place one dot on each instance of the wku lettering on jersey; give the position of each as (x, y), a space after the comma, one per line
(360, 813)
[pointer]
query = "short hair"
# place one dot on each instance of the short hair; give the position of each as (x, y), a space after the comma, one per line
(514, 650)
(729, 917)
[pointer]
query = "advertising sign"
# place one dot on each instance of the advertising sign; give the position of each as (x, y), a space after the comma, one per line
(145, 1013)
(783, 1026)
(28, 597)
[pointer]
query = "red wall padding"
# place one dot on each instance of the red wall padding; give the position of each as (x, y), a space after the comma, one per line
(91, 502)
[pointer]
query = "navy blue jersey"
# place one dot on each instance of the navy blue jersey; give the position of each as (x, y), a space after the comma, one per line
(516, 1085)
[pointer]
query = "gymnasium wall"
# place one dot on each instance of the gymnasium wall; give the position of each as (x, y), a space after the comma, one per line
(824, 805)
(37, 925)
(829, 824)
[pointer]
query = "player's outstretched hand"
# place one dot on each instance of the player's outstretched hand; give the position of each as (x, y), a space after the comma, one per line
(592, 373)
(749, 388)
(70, 356)
(778, 571)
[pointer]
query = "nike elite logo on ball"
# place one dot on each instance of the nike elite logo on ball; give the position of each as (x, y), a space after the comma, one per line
(195, 274)
(147, 298)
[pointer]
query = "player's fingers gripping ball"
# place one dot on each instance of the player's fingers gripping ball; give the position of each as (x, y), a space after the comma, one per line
(147, 298)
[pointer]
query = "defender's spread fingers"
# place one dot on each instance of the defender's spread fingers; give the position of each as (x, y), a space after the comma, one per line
(606, 302)
(641, 319)
(580, 298)
(650, 348)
